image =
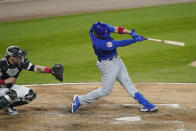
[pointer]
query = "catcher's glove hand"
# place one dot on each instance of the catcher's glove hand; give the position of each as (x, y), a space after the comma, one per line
(57, 71)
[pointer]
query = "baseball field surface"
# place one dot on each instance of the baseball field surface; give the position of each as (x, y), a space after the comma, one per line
(164, 74)
(51, 110)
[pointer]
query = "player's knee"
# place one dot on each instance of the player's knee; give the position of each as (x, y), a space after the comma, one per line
(25, 100)
(30, 96)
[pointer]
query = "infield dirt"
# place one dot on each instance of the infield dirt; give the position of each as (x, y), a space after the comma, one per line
(193, 64)
(51, 109)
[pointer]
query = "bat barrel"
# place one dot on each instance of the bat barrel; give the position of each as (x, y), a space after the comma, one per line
(167, 42)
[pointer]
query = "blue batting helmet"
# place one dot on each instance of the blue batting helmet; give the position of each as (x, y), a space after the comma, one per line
(100, 29)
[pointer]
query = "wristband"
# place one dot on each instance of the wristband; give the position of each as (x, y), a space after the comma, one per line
(120, 30)
(2, 82)
(48, 70)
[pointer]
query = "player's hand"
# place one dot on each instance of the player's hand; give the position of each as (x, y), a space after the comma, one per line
(133, 34)
(11, 80)
(140, 38)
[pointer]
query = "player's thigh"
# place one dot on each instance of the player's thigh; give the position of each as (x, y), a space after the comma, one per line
(123, 76)
(3, 91)
(20, 90)
(109, 71)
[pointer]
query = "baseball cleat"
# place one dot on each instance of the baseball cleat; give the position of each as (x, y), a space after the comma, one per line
(75, 105)
(144, 109)
(12, 111)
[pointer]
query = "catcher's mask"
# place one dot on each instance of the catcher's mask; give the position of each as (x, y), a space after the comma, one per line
(100, 29)
(16, 52)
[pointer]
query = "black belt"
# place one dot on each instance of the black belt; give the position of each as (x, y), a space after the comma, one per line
(109, 59)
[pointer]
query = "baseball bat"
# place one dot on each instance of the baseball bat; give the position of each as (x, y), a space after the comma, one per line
(167, 42)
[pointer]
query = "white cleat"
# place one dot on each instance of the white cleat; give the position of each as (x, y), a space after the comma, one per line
(143, 109)
(12, 111)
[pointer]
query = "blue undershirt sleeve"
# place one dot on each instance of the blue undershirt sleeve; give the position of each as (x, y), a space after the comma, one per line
(110, 28)
(122, 43)
(111, 45)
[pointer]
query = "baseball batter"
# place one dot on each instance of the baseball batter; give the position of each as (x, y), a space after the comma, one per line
(11, 65)
(111, 66)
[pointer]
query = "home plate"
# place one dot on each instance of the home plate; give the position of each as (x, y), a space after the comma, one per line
(137, 118)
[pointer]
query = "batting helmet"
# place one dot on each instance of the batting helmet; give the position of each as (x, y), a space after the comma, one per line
(100, 29)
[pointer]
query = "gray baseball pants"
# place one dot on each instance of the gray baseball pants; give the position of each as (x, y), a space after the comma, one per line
(111, 70)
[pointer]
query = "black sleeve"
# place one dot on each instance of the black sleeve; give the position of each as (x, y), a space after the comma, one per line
(28, 66)
(32, 68)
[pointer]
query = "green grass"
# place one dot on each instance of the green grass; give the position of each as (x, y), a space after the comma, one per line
(65, 40)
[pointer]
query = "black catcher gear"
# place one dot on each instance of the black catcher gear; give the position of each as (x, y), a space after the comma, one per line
(8, 98)
(23, 101)
(57, 71)
(15, 51)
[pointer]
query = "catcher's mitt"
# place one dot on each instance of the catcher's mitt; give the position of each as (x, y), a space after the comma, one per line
(57, 71)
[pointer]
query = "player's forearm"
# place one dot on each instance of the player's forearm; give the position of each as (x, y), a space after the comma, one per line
(11, 80)
(121, 30)
(125, 42)
(42, 69)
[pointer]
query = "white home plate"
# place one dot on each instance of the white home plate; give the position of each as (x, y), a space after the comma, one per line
(137, 118)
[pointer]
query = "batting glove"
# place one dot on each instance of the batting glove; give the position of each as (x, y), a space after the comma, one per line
(140, 38)
(133, 34)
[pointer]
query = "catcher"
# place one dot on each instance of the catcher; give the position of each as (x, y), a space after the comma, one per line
(12, 95)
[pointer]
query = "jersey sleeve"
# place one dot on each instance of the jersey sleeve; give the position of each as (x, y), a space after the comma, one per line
(122, 43)
(28, 66)
(110, 28)
(111, 45)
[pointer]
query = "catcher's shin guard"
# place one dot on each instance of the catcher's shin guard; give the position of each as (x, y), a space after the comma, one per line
(27, 99)
(3, 102)
(7, 99)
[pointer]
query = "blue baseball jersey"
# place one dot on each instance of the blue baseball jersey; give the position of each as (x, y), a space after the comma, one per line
(106, 48)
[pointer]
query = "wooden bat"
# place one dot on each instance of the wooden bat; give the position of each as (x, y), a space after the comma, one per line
(168, 42)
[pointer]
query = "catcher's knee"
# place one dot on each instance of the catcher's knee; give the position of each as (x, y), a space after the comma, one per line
(8, 98)
(30, 96)
(25, 100)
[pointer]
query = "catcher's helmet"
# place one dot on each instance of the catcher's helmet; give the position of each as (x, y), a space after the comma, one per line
(100, 29)
(15, 51)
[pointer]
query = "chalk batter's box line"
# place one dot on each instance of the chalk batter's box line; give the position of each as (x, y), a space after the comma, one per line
(137, 120)
(174, 106)
(84, 83)
(178, 124)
